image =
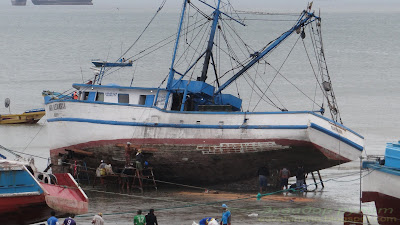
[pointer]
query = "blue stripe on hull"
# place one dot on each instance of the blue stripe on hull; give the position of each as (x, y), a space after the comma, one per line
(196, 112)
(200, 126)
(332, 134)
(381, 168)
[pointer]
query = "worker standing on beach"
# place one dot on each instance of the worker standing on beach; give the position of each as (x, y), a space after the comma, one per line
(139, 160)
(151, 219)
(284, 174)
(52, 220)
(300, 177)
(98, 219)
(263, 173)
(128, 154)
(226, 215)
(70, 220)
(139, 219)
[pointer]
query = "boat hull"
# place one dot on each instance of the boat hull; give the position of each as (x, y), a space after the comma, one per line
(23, 210)
(25, 200)
(18, 2)
(381, 186)
(199, 147)
(24, 118)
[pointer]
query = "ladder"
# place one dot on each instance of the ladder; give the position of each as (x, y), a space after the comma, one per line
(324, 73)
(140, 178)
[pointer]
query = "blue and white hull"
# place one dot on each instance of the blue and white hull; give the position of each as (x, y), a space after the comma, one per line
(226, 140)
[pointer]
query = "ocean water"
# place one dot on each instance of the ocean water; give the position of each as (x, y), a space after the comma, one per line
(49, 48)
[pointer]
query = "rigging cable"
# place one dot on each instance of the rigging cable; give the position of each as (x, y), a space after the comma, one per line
(158, 10)
(233, 56)
(278, 71)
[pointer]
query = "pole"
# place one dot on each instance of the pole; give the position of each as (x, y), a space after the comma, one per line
(172, 71)
(360, 180)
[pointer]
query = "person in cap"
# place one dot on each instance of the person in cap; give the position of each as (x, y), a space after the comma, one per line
(98, 219)
(226, 215)
(102, 164)
(70, 220)
(128, 153)
(139, 219)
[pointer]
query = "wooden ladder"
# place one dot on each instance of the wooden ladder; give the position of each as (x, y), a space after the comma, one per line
(140, 178)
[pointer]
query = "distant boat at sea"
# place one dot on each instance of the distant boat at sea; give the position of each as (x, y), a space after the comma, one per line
(120, 63)
(18, 2)
(62, 2)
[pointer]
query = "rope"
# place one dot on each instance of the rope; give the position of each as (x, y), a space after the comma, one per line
(33, 138)
(278, 71)
(158, 10)
(258, 197)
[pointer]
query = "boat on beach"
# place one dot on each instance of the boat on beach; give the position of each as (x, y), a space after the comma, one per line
(62, 2)
(28, 117)
(18, 2)
(191, 128)
(28, 197)
(381, 184)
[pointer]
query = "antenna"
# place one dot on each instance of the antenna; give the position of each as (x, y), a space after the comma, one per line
(7, 104)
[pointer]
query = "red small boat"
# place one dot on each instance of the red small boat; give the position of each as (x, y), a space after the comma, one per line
(26, 199)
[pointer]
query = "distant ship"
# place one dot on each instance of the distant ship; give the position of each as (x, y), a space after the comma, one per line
(18, 2)
(61, 2)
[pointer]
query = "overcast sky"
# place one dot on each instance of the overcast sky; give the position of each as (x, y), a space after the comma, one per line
(260, 5)
(326, 5)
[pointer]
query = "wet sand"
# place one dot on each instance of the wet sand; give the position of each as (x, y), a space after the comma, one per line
(178, 205)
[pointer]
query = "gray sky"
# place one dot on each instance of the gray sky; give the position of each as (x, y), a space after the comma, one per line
(275, 5)
(260, 5)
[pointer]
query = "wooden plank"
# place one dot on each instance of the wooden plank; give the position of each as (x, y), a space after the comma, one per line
(78, 151)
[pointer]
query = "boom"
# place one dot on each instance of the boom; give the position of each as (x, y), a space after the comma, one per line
(303, 21)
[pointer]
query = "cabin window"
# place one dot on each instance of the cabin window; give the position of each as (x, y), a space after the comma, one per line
(146, 100)
(123, 98)
(142, 99)
(86, 95)
(100, 97)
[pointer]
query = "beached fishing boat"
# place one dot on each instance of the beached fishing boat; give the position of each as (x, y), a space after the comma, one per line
(381, 184)
(28, 117)
(191, 128)
(28, 197)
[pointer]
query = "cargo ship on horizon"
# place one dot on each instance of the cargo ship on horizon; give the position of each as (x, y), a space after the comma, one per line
(18, 2)
(62, 2)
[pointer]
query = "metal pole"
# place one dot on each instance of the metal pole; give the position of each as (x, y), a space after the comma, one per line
(171, 71)
(360, 180)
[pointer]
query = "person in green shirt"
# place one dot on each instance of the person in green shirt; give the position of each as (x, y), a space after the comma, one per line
(139, 219)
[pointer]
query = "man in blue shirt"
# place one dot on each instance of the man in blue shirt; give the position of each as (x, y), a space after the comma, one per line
(226, 215)
(52, 220)
(69, 220)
